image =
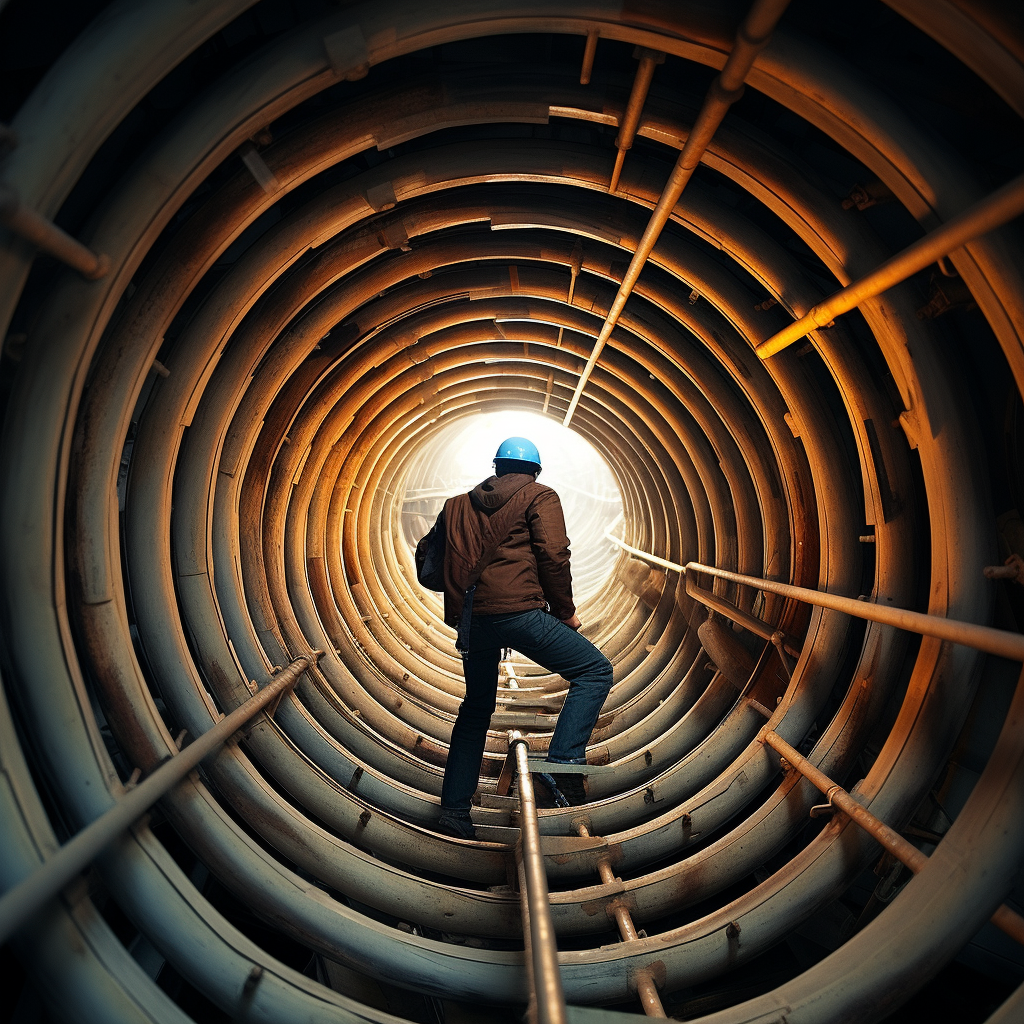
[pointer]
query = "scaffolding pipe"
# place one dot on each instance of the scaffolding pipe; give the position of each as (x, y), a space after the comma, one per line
(543, 952)
(1000, 642)
(18, 904)
(749, 622)
(726, 89)
(646, 989)
(992, 212)
(904, 851)
(649, 60)
(45, 235)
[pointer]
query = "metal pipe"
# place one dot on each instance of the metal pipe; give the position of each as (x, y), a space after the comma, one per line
(649, 60)
(726, 89)
(589, 53)
(904, 851)
(20, 903)
(647, 991)
(1012, 570)
(575, 266)
(544, 952)
(1000, 642)
(749, 622)
(639, 553)
(524, 907)
(45, 235)
(646, 988)
(992, 212)
(1010, 922)
(890, 839)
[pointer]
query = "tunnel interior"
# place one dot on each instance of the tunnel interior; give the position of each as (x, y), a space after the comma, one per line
(351, 246)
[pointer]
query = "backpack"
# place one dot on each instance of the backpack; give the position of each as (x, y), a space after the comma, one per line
(430, 556)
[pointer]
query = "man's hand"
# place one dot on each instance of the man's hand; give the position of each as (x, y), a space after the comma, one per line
(574, 622)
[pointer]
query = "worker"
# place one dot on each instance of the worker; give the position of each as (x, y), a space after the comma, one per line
(522, 599)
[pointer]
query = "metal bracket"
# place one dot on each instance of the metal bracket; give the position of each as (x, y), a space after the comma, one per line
(826, 808)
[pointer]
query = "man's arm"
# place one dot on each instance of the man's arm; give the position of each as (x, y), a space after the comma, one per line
(551, 549)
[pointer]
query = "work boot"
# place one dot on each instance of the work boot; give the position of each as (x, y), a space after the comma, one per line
(457, 824)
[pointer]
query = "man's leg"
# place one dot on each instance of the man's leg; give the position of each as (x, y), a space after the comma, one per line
(469, 734)
(552, 644)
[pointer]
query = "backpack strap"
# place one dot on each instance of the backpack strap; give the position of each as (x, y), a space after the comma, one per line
(499, 526)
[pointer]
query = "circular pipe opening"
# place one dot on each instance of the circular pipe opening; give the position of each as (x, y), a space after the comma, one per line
(369, 244)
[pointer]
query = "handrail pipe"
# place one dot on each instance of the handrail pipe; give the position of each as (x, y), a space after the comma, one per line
(18, 904)
(537, 924)
(1001, 642)
(902, 849)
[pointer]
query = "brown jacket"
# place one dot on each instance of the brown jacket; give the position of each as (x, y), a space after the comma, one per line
(530, 568)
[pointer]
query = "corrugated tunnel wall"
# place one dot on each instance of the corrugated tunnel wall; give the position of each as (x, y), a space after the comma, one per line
(342, 236)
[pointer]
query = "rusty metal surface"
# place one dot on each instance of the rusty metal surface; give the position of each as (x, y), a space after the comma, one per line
(726, 88)
(25, 900)
(969, 897)
(268, 434)
(985, 216)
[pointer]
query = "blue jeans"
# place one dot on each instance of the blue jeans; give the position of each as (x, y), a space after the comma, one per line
(550, 643)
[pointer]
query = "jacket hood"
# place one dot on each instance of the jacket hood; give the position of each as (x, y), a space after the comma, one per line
(493, 492)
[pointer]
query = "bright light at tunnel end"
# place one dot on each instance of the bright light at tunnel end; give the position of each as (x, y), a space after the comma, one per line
(458, 457)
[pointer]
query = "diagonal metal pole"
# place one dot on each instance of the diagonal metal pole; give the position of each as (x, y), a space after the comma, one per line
(726, 89)
(45, 235)
(649, 60)
(19, 903)
(904, 851)
(990, 213)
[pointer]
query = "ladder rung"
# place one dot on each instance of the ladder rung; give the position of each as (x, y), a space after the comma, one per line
(502, 803)
(539, 765)
(521, 720)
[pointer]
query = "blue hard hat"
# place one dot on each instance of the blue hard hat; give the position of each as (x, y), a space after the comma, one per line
(518, 448)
